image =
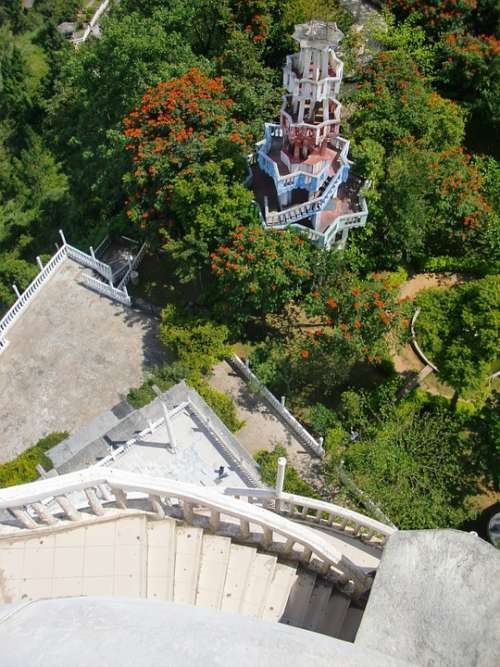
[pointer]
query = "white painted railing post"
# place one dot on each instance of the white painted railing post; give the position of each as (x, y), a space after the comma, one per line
(16, 291)
(62, 236)
(280, 476)
(92, 253)
(39, 262)
(283, 401)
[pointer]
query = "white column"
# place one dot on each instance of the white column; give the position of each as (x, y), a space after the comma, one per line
(39, 262)
(280, 476)
(16, 291)
(325, 64)
(92, 253)
(62, 236)
(307, 62)
(168, 424)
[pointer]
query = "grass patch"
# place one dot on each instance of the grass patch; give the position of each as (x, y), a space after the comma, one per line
(268, 462)
(23, 468)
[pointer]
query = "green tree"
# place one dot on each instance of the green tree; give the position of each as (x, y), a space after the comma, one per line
(258, 271)
(459, 329)
(206, 202)
(98, 85)
(413, 457)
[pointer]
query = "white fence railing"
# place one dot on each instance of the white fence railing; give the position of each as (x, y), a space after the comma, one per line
(15, 311)
(120, 295)
(34, 287)
(283, 412)
(28, 504)
(87, 260)
(415, 344)
(319, 514)
(100, 10)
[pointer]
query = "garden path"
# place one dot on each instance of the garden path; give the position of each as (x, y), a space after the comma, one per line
(263, 429)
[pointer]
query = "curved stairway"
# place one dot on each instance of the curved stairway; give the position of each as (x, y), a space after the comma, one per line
(137, 555)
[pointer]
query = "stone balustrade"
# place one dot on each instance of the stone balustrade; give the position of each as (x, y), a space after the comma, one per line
(30, 508)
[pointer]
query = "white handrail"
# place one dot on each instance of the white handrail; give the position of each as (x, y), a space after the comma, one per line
(317, 512)
(20, 498)
(120, 295)
(281, 409)
(19, 306)
(87, 260)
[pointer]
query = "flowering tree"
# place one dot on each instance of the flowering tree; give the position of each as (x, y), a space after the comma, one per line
(354, 319)
(181, 122)
(259, 271)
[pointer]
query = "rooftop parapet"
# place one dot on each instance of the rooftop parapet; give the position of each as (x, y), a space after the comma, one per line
(318, 34)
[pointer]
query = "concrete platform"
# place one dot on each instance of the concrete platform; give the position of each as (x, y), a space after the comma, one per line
(72, 355)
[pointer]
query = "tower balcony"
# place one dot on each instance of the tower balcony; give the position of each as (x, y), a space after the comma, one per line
(326, 220)
(313, 123)
(312, 83)
(290, 171)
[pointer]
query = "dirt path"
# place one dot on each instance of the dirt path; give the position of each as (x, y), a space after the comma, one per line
(262, 429)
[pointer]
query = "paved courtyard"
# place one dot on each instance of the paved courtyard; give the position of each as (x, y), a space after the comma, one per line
(72, 355)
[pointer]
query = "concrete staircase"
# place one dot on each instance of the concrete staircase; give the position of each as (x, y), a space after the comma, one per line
(135, 555)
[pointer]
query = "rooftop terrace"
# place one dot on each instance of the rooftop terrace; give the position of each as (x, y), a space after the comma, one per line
(72, 354)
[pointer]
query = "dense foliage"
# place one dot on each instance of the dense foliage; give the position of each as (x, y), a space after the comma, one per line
(416, 458)
(459, 329)
(268, 463)
(22, 469)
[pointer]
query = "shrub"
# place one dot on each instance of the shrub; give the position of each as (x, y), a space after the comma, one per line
(462, 265)
(322, 419)
(23, 468)
(222, 405)
(335, 442)
(198, 343)
(268, 462)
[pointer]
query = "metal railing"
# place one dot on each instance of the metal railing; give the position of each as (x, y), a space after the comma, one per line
(134, 263)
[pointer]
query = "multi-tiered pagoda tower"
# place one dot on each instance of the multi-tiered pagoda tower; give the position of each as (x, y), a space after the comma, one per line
(301, 174)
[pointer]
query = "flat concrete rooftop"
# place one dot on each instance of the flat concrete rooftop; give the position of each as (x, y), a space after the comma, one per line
(72, 355)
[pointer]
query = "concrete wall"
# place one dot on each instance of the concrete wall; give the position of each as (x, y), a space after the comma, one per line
(435, 600)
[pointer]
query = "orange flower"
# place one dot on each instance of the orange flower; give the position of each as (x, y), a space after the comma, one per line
(305, 354)
(357, 305)
(357, 324)
(331, 302)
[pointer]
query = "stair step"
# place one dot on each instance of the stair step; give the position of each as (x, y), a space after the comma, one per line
(213, 567)
(318, 605)
(336, 612)
(298, 600)
(238, 570)
(187, 563)
(161, 559)
(259, 580)
(284, 578)
(351, 624)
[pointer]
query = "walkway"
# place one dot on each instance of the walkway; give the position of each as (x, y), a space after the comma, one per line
(72, 355)
(263, 429)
